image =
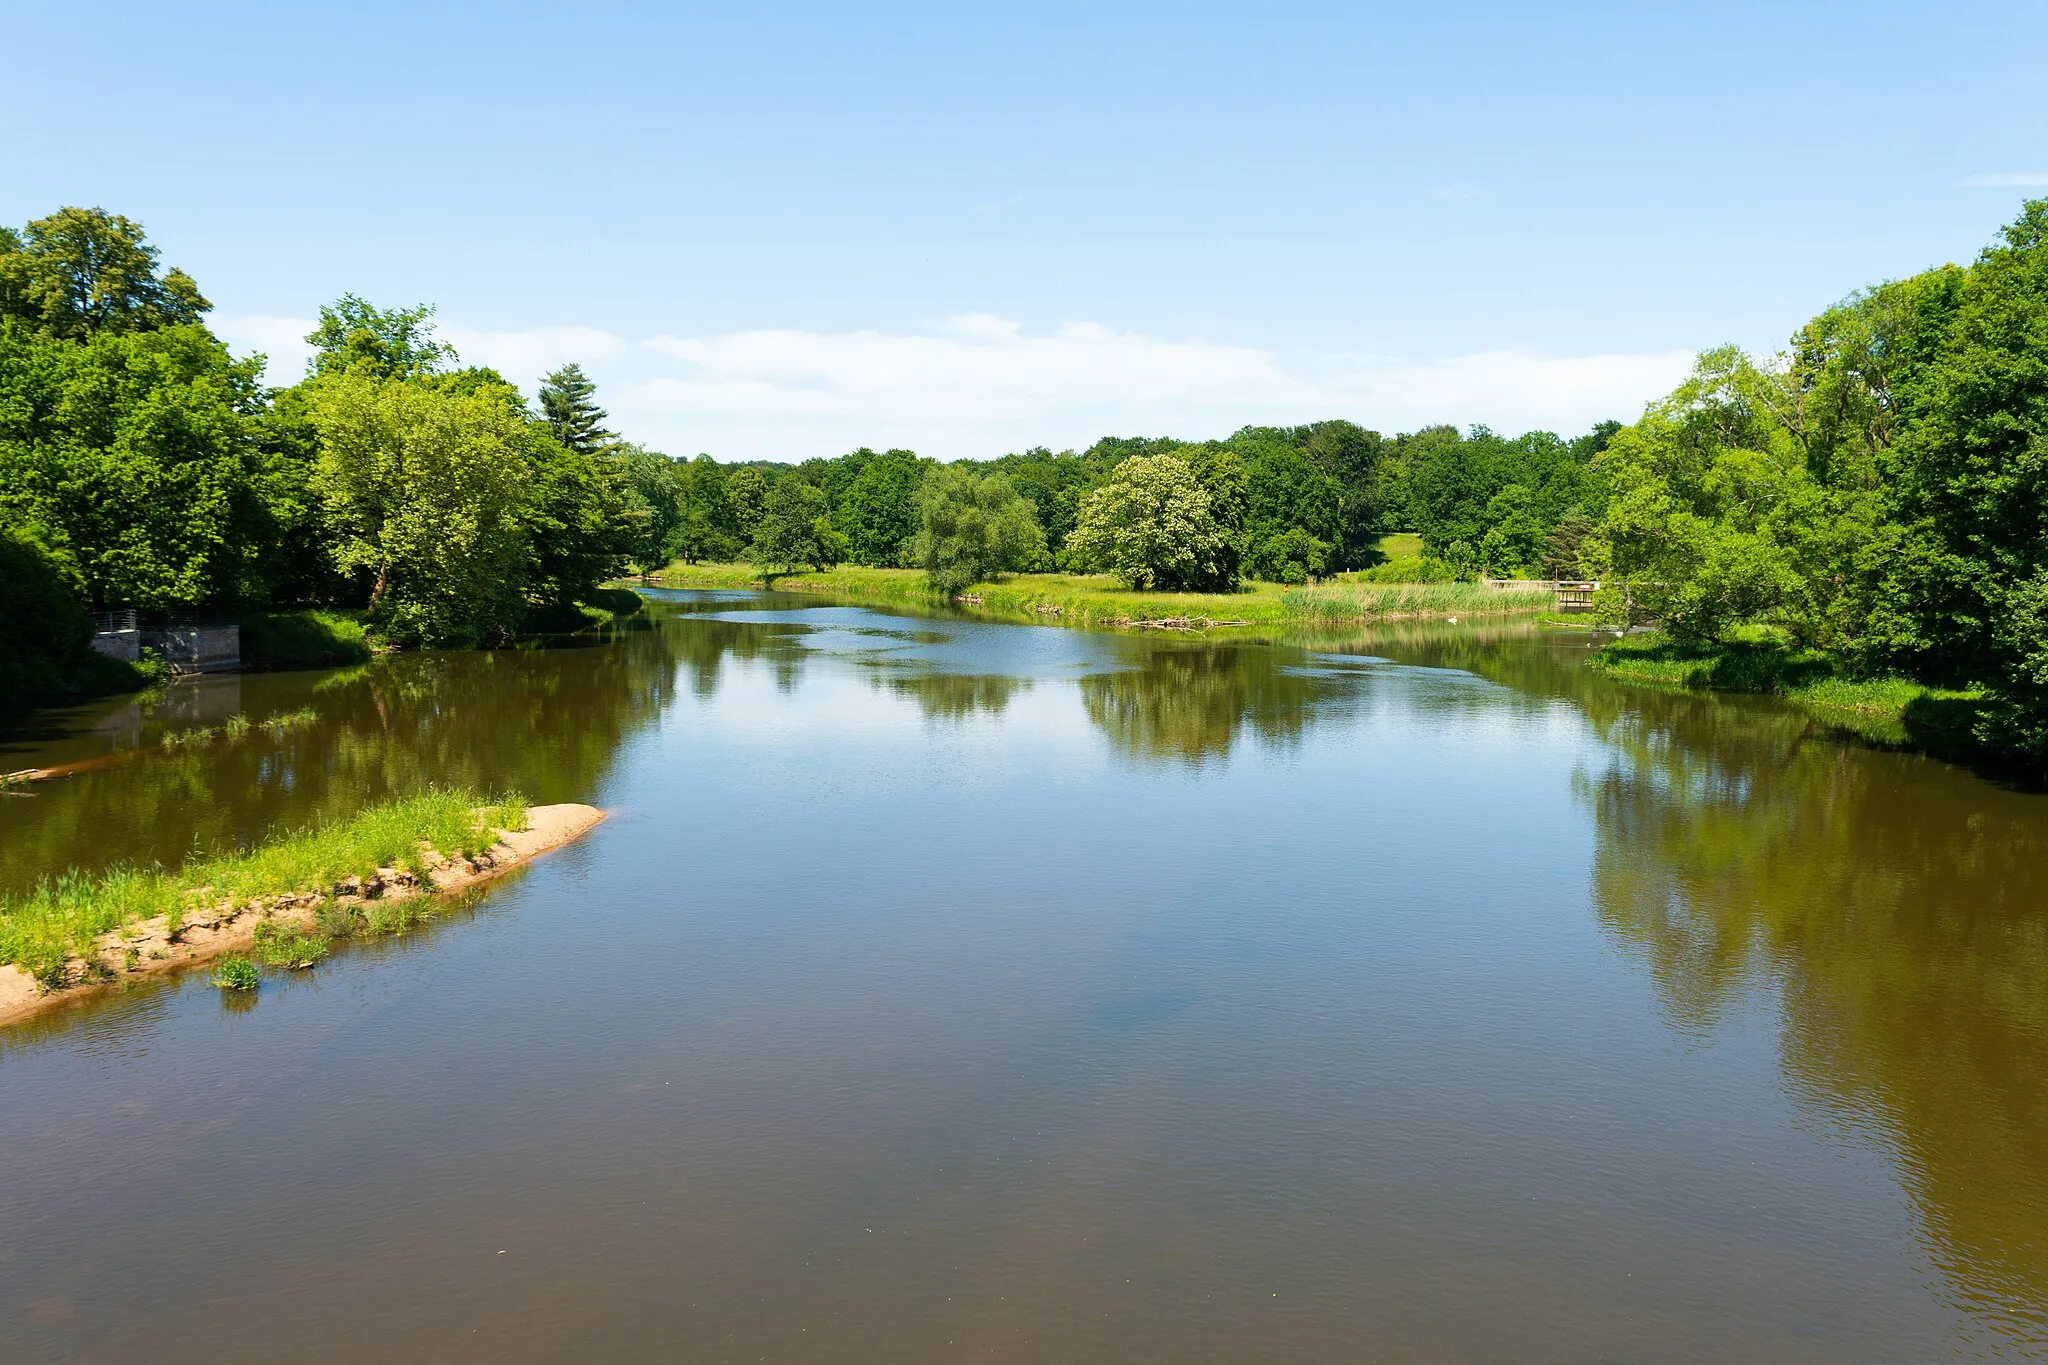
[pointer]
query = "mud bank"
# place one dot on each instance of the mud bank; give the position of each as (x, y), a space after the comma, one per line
(151, 948)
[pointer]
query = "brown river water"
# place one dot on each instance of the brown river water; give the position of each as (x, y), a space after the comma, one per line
(948, 991)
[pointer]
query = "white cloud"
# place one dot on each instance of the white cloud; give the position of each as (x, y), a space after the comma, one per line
(2006, 180)
(281, 339)
(523, 357)
(979, 385)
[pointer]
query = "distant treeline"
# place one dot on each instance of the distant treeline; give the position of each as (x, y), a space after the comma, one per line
(1293, 502)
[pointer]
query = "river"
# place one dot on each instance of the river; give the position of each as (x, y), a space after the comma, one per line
(942, 990)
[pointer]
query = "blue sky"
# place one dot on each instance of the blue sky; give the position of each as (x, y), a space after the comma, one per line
(785, 230)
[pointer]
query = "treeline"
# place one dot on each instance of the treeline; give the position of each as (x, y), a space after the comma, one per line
(1285, 503)
(1877, 494)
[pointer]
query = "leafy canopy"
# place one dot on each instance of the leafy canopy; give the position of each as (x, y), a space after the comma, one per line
(1151, 526)
(82, 272)
(971, 528)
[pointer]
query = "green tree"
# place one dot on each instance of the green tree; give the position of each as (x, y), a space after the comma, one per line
(576, 521)
(653, 492)
(796, 529)
(393, 343)
(425, 490)
(971, 528)
(45, 631)
(1151, 526)
(878, 510)
(80, 272)
(130, 457)
(707, 529)
(568, 406)
(746, 498)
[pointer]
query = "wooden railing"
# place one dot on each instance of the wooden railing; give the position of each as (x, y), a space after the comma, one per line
(1571, 595)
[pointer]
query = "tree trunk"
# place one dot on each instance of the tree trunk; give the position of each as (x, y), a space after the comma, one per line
(383, 581)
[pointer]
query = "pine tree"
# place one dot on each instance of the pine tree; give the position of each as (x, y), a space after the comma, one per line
(572, 417)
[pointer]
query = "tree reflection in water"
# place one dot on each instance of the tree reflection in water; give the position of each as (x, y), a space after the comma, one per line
(1188, 702)
(1898, 908)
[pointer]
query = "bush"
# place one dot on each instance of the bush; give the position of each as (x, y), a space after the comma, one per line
(236, 973)
(277, 641)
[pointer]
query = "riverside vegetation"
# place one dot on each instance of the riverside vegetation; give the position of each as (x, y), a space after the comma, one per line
(1868, 503)
(53, 931)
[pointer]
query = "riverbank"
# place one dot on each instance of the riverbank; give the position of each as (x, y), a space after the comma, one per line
(285, 900)
(1893, 712)
(1098, 601)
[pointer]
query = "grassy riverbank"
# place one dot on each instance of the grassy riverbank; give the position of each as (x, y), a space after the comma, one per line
(60, 919)
(1896, 712)
(1099, 601)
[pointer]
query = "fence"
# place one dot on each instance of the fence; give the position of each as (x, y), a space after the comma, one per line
(1571, 596)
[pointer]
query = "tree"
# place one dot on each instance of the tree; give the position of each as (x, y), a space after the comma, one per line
(425, 490)
(1150, 525)
(746, 497)
(575, 520)
(971, 528)
(707, 530)
(80, 272)
(878, 510)
(570, 410)
(130, 457)
(45, 631)
(795, 528)
(652, 489)
(394, 343)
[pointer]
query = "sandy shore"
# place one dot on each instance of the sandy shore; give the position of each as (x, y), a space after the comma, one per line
(149, 948)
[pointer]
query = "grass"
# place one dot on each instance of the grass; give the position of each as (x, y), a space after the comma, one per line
(276, 641)
(62, 916)
(1892, 711)
(238, 727)
(1097, 600)
(236, 973)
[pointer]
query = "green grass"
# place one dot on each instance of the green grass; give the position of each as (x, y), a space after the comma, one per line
(1100, 601)
(236, 973)
(62, 916)
(276, 641)
(1893, 711)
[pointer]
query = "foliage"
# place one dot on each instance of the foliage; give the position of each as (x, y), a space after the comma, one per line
(302, 639)
(86, 272)
(129, 456)
(652, 491)
(1290, 556)
(394, 343)
(971, 528)
(794, 529)
(236, 973)
(569, 409)
(746, 500)
(1151, 526)
(45, 631)
(425, 489)
(878, 510)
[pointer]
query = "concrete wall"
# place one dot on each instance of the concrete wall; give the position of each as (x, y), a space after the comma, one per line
(125, 645)
(198, 649)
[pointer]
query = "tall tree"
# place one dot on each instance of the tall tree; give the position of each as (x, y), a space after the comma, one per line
(426, 490)
(972, 527)
(385, 343)
(568, 405)
(1151, 526)
(84, 271)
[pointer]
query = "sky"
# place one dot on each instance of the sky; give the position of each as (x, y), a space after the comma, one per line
(779, 231)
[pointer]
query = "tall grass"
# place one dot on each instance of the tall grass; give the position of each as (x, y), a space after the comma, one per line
(63, 915)
(1367, 601)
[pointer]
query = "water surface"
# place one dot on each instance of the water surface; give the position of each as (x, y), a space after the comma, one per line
(943, 990)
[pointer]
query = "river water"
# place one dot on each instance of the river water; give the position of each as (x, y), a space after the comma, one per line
(941, 990)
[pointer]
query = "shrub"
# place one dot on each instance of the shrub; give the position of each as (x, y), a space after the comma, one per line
(236, 973)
